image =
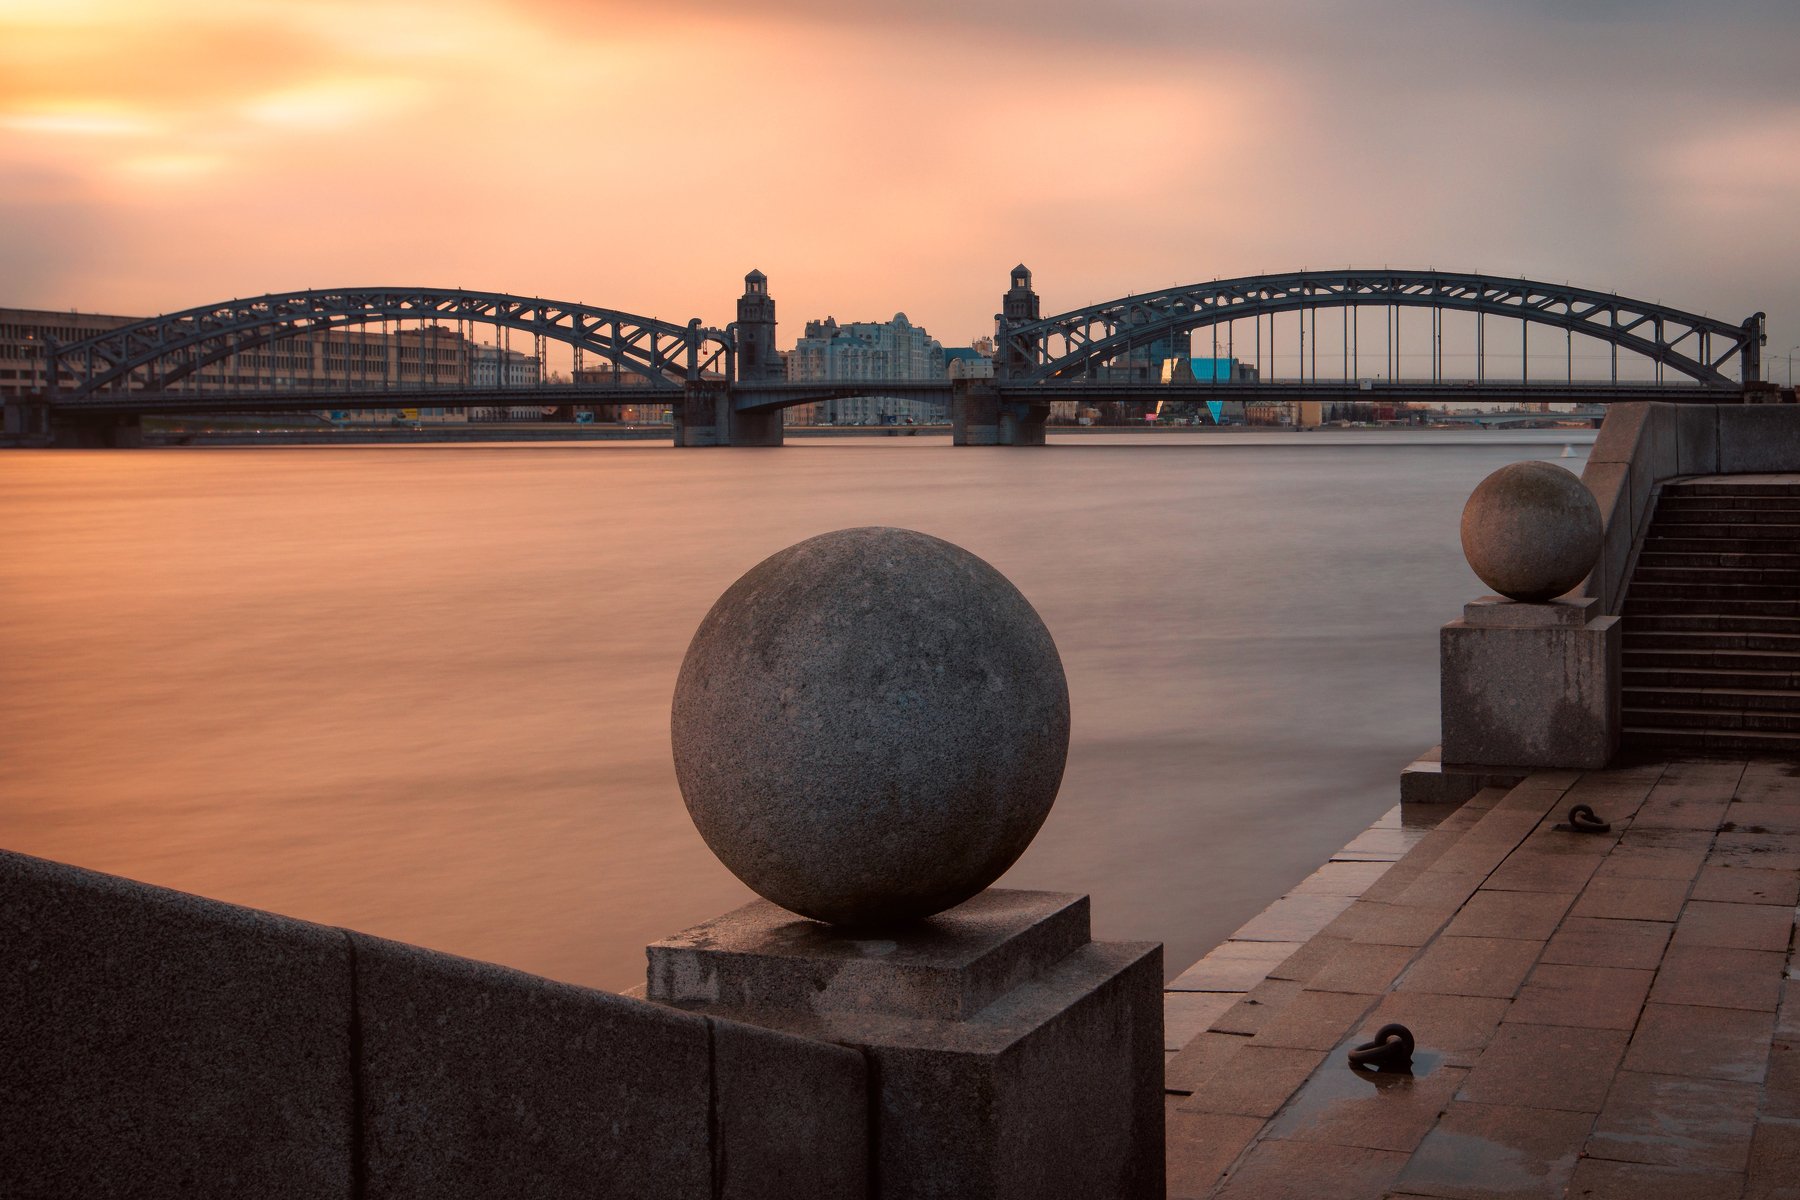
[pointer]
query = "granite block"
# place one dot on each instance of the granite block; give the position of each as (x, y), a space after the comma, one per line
(1259, 1082)
(1234, 967)
(948, 967)
(1581, 997)
(1697, 439)
(1532, 870)
(1497, 612)
(1496, 1152)
(1052, 1090)
(1340, 879)
(1187, 1014)
(1781, 1084)
(790, 1116)
(1758, 438)
(1531, 697)
(1292, 919)
(1284, 1170)
(1307, 961)
(1774, 1161)
(1363, 968)
(1255, 1010)
(1710, 1043)
(1532, 916)
(1717, 977)
(1673, 1120)
(1547, 1066)
(479, 1080)
(1315, 1020)
(1589, 942)
(1197, 1062)
(1737, 926)
(1469, 966)
(156, 1044)
(1200, 1147)
(1630, 898)
(1601, 1179)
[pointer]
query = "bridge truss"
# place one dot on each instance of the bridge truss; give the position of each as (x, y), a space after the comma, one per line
(157, 354)
(1070, 346)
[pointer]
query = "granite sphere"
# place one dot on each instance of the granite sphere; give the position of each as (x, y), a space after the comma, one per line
(1531, 531)
(870, 726)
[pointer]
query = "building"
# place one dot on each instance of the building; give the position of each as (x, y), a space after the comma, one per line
(871, 351)
(969, 362)
(24, 332)
(356, 358)
(494, 367)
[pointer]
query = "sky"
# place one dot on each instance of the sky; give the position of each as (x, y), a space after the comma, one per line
(882, 157)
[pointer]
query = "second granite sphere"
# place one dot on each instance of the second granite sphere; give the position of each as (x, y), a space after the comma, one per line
(1531, 531)
(870, 726)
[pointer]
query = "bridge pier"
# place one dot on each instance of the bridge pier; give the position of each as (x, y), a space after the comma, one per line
(97, 431)
(981, 416)
(25, 422)
(706, 416)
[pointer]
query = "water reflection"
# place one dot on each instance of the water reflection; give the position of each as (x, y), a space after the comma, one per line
(424, 691)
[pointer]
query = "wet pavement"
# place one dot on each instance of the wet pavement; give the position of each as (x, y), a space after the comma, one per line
(1597, 1015)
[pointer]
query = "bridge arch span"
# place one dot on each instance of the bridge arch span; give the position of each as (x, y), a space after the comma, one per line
(1066, 346)
(156, 352)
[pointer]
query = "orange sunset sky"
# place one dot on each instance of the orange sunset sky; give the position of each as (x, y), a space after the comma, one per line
(895, 156)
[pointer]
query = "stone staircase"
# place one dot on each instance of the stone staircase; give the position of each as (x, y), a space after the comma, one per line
(1712, 621)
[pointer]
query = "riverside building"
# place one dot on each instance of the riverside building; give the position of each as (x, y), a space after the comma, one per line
(872, 351)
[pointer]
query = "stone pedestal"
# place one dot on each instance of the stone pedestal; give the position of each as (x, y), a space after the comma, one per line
(1009, 1054)
(1531, 685)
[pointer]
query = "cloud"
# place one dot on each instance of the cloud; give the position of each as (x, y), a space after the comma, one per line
(878, 157)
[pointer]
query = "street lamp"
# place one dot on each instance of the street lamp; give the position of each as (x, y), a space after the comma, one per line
(1789, 355)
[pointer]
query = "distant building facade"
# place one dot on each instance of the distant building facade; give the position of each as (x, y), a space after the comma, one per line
(871, 351)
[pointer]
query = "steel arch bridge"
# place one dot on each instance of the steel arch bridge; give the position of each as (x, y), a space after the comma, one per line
(1066, 347)
(152, 354)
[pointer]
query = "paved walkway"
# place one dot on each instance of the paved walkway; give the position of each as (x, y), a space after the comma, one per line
(1597, 1016)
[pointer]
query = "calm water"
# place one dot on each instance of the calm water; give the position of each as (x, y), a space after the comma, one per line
(424, 692)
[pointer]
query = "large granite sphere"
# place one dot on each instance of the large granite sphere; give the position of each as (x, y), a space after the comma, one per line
(1531, 531)
(870, 726)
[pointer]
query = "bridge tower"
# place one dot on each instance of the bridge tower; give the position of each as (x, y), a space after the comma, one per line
(1018, 307)
(757, 359)
(980, 414)
(708, 415)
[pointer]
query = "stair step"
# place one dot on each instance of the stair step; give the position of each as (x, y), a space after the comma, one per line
(1673, 501)
(1745, 531)
(1658, 542)
(1730, 678)
(1658, 589)
(1709, 640)
(1650, 698)
(1638, 604)
(1714, 660)
(1673, 512)
(1707, 623)
(1664, 559)
(1716, 576)
(1661, 740)
(1712, 488)
(1753, 721)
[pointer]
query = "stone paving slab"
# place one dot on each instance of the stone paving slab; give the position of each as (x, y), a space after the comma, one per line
(1597, 1016)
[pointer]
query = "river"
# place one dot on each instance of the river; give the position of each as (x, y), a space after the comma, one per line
(423, 691)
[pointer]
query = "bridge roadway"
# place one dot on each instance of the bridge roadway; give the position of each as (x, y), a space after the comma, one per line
(770, 397)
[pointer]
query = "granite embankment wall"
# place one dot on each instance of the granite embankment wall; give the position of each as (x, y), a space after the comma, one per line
(157, 1044)
(1641, 445)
